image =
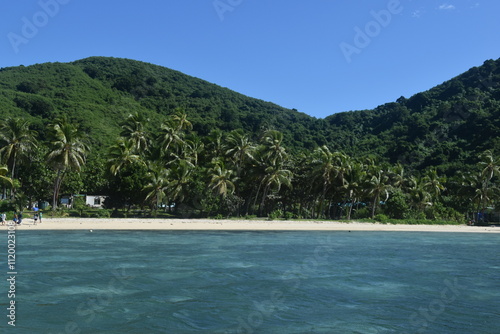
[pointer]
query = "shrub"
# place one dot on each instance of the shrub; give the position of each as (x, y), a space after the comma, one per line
(397, 205)
(361, 213)
(275, 214)
(415, 215)
(440, 212)
(97, 213)
(103, 213)
(381, 218)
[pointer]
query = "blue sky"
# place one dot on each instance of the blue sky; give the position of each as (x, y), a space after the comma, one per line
(318, 56)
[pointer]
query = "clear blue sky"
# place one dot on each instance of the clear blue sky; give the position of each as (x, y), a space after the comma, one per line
(318, 56)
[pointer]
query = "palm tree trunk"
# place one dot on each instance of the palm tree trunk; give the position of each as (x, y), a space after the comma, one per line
(237, 187)
(349, 212)
(13, 190)
(57, 186)
(13, 165)
(257, 195)
(328, 215)
(374, 205)
(264, 195)
(322, 203)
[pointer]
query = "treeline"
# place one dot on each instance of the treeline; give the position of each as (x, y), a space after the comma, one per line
(173, 170)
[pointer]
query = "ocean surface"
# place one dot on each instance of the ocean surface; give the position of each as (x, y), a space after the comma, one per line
(253, 282)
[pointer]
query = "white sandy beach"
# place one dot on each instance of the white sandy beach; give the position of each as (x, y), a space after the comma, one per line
(96, 224)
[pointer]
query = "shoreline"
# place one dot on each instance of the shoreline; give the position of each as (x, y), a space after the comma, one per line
(97, 224)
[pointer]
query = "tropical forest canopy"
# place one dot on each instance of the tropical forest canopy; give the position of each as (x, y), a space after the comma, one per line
(148, 136)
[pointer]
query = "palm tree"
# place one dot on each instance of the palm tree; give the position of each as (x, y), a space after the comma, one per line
(239, 149)
(5, 179)
(354, 180)
(133, 129)
(157, 187)
(68, 152)
(222, 180)
(378, 186)
(433, 183)
(169, 138)
(16, 140)
(473, 190)
(483, 195)
(215, 144)
(490, 167)
(180, 177)
(274, 152)
(121, 154)
(397, 174)
(180, 121)
(466, 185)
(274, 179)
(192, 149)
(323, 170)
(329, 169)
(420, 197)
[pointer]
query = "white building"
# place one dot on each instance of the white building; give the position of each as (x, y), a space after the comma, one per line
(95, 201)
(92, 201)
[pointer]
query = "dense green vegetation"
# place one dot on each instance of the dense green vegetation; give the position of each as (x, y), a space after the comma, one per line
(445, 127)
(155, 139)
(97, 93)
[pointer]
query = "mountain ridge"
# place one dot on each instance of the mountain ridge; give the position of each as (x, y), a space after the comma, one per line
(98, 92)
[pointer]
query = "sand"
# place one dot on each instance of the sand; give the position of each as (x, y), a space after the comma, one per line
(96, 224)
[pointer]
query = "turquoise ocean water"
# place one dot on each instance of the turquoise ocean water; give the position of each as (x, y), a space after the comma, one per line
(254, 282)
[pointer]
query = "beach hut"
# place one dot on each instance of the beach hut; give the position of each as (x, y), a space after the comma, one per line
(95, 201)
(92, 201)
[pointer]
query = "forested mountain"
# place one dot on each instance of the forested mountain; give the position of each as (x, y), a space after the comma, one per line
(148, 136)
(99, 92)
(445, 126)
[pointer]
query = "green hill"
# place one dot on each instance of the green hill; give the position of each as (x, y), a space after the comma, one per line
(99, 92)
(445, 126)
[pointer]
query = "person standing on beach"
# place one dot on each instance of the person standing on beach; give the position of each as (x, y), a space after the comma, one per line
(20, 218)
(4, 216)
(15, 218)
(40, 216)
(35, 217)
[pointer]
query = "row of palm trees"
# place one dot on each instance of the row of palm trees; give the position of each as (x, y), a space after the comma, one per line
(227, 163)
(233, 174)
(314, 184)
(339, 178)
(67, 150)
